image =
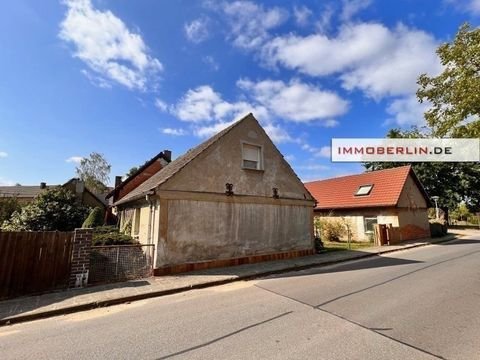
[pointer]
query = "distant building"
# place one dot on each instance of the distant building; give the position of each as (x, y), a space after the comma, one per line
(392, 196)
(26, 193)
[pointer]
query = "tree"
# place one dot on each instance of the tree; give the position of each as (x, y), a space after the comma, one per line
(94, 171)
(455, 93)
(461, 213)
(8, 205)
(53, 209)
(452, 182)
(132, 171)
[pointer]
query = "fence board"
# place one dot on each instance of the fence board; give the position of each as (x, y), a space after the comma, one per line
(33, 262)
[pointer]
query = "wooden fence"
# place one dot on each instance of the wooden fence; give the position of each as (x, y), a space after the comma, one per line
(34, 262)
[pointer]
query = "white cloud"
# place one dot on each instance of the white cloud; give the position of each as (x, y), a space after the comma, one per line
(161, 105)
(107, 46)
(203, 104)
(472, 6)
(269, 100)
(330, 123)
(210, 130)
(3, 154)
(290, 157)
(211, 62)
(295, 101)
(407, 111)
(313, 167)
(367, 56)
(325, 20)
(197, 30)
(174, 132)
(250, 23)
(277, 133)
(74, 159)
(352, 7)
(302, 15)
(325, 151)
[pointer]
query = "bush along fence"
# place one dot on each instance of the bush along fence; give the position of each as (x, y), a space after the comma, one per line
(36, 262)
(108, 263)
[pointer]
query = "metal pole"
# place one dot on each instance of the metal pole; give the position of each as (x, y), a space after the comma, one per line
(348, 236)
(116, 265)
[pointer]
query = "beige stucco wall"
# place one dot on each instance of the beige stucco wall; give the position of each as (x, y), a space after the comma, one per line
(222, 163)
(356, 217)
(411, 197)
(196, 221)
(203, 230)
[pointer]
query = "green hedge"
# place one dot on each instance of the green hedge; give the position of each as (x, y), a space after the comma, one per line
(110, 235)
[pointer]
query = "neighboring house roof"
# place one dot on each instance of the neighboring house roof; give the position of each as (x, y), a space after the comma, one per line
(175, 166)
(31, 191)
(21, 191)
(339, 193)
(99, 196)
(160, 155)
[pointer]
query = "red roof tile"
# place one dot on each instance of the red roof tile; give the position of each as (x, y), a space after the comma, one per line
(340, 192)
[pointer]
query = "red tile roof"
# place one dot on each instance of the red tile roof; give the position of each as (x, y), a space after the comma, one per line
(340, 192)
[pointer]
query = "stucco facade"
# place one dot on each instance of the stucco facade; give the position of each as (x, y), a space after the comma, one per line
(191, 217)
(406, 212)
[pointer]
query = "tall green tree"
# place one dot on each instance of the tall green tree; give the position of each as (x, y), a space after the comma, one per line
(452, 182)
(94, 171)
(455, 93)
(53, 209)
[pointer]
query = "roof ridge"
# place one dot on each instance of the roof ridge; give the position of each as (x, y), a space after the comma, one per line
(213, 139)
(356, 175)
(193, 152)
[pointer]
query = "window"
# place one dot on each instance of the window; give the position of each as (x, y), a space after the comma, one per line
(252, 157)
(364, 190)
(369, 223)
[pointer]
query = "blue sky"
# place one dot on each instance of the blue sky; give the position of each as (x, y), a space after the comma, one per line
(131, 78)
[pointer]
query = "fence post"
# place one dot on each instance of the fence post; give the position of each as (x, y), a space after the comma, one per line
(80, 264)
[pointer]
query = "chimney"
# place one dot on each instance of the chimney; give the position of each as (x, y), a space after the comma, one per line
(79, 188)
(43, 185)
(167, 155)
(118, 180)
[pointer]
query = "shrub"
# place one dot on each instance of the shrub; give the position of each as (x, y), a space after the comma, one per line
(8, 205)
(54, 209)
(330, 229)
(110, 235)
(94, 219)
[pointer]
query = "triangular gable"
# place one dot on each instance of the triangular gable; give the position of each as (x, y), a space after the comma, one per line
(207, 167)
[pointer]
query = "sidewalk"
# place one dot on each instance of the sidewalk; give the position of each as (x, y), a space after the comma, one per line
(73, 300)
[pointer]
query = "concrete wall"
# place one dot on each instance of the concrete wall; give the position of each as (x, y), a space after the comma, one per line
(221, 163)
(411, 197)
(205, 230)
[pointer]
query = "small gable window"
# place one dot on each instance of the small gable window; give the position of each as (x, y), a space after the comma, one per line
(252, 157)
(364, 190)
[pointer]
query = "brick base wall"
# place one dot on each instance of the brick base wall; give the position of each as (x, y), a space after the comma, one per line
(180, 268)
(82, 244)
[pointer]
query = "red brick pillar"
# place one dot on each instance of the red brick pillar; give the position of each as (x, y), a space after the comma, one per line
(82, 243)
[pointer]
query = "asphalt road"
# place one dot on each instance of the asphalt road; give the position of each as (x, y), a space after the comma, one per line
(417, 304)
